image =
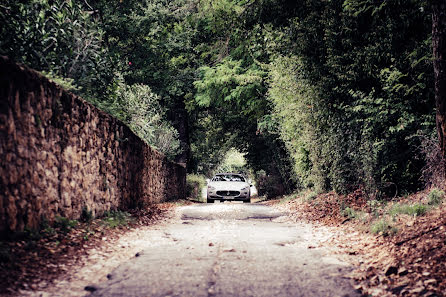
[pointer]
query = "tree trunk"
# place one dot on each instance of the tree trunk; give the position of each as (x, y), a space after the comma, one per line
(439, 51)
(179, 119)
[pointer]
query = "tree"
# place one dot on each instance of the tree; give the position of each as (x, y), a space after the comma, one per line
(439, 50)
(70, 43)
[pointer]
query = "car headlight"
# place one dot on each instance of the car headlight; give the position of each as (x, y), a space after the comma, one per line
(244, 189)
(211, 188)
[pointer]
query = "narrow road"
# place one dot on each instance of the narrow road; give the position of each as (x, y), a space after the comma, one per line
(230, 250)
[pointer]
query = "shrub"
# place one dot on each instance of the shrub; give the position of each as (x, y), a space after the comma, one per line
(412, 210)
(269, 185)
(310, 196)
(66, 83)
(383, 227)
(65, 224)
(194, 185)
(417, 210)
(435, 197)
(138, 107)
(116, 218)
(45, 227)
(349, 212)
(374, 207)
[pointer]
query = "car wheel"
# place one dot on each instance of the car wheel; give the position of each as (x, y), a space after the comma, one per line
(247, 201)
(210, 200)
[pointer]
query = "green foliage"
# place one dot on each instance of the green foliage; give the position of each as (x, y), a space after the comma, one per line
(194, 185)
(348, 101)
(139, 108)
(58, 37)
(412, 210)
(327, 95)
(70, 44)
(375, 207)
(208, 146)
(64, 224)
(45, 228)
(349, 213)
(116, 218)
(230, 94)
(233, 161)
(293, 98)
(231, 83)
(353, 214)
(310, 196)
(435, 197)
(66, 83)
(383, 227)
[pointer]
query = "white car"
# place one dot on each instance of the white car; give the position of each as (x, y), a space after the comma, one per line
(228, 186)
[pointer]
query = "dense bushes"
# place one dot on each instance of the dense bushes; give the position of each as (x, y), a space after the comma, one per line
(315, 94)
(139, 108)
(194, 186)
(353, 100)
(60, 37)
(348, 88)
(66, 41)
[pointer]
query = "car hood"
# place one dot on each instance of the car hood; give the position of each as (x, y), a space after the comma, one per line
(227, 185)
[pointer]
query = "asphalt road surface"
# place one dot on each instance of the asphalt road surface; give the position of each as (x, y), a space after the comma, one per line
(230, 250)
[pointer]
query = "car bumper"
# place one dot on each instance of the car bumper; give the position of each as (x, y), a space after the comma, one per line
(244, 195)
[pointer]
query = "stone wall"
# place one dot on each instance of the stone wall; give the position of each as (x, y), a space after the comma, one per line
(60, 154)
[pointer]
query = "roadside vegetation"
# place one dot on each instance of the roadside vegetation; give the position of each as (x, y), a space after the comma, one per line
(315, 95)
(68, 42)
(380, 217)
(194, 187)
(233, 161)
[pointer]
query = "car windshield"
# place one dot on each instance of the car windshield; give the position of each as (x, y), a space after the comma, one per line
(228, 177)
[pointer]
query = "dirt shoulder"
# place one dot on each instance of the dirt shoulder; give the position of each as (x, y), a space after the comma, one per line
(396, 254)
(64, 262)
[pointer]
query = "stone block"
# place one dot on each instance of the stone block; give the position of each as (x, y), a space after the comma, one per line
(42, 155)
(13, 175)
(66, 199)
(39, 167)
(11, 211)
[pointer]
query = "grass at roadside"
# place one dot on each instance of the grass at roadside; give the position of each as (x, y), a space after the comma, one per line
(117, 218)
(378, 217)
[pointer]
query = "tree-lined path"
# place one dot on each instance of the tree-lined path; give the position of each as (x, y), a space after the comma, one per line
(337, 107)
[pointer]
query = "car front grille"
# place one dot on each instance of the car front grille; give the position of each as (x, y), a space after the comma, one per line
(228, 193)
